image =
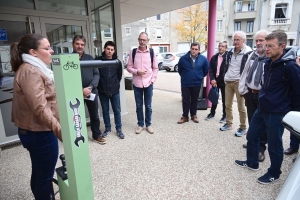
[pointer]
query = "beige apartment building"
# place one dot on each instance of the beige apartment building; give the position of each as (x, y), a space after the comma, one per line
(252, 15)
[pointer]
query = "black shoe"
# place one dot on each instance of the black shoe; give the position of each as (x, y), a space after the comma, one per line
(209, 116)
(244, 165)
(290, 151)
(120, 134)
(267, 179)
(223, 120)
(261, 156)
(245, 146)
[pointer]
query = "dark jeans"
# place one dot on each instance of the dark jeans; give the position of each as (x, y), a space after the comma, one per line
(270, 122)
(252, 104)
(189, 100)
(294, 142)
(94, 117)
(143, 95)
(115, 104)
(214, 107)
(43, 150)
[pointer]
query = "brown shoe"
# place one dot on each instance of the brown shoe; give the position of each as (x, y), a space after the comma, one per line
(100, 140)
(182, 120)
(195, 119)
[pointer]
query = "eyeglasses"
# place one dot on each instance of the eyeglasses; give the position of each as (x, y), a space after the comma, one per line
(143, 40)
(270, 46)
(48, 49)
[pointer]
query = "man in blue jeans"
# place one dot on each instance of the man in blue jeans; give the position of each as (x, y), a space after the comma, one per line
(144, 71)
(109, 89)
(279, 94)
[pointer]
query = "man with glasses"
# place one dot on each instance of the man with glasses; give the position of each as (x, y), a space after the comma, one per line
(279, 94)
(250, 83)
(90, 78)
(192, 68)
(232, 77)
(144, 71)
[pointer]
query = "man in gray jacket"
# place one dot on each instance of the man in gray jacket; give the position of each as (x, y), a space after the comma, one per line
(232, 78)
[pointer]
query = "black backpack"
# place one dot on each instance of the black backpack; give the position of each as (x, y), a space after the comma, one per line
(151, 55)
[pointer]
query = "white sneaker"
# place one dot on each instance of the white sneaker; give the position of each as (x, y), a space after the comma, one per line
(139, 129)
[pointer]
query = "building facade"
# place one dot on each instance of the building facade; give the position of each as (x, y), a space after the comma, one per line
(252, 15)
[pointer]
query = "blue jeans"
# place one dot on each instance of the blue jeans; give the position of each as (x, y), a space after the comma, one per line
(94, 117)
(271, 123)
(115, 104)
(143, 95)
(43, 150)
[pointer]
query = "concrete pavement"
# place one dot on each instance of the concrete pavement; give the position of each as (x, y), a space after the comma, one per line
(187, 161)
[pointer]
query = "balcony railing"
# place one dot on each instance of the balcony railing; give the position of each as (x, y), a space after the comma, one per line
(280, 21)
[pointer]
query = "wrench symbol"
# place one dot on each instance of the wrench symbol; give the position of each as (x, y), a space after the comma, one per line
(77, 122)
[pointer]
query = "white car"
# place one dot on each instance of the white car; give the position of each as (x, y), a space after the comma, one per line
(291, 188)
(160, 58)
(171, 60)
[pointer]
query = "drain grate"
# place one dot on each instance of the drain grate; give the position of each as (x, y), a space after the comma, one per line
(9, 146)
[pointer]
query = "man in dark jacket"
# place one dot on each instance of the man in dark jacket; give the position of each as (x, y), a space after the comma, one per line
(218, 65)
(108, 89)
(279, 94)
(192, 68)
(90, 78)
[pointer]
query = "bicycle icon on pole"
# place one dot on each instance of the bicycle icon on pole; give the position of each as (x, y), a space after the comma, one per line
(70, 65)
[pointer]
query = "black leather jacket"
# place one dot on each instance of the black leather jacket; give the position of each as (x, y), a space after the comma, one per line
(223, 68)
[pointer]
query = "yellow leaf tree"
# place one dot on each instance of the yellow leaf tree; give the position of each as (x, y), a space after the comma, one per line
(192, 25)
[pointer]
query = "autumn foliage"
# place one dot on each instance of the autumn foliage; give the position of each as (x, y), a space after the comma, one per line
(192, 25)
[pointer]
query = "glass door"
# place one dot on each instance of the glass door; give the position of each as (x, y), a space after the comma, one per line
(61, 32)
(12, 29)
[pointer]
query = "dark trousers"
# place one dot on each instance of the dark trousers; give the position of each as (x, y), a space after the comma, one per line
(94, 117)
(214, 107)
(252, 104)
(271, 123)
(189, 100)
(294, 142)
(43, 150)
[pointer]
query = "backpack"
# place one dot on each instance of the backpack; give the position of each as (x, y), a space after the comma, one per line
(151, 55)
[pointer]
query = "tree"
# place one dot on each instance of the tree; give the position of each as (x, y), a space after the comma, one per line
(192, 25)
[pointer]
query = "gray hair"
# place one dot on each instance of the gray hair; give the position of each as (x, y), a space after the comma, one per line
(241, 33)
(263, 31)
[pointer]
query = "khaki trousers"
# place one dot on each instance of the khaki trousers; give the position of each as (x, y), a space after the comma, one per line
(231, 88)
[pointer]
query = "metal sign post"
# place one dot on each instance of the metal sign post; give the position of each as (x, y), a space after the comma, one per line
(76, 181)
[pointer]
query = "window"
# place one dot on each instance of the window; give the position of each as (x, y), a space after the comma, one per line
(127, 30)
(219, 25)
(280, 11)
(237, 26)
(220, 4)
(239, 6)
(251, 6)
(143, 29)
(158, 17)
(159, 33)
(107, 33)
(249, 42)
(250, 25)
(163, 49)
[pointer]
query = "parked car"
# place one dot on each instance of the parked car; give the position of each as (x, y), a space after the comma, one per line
(291, 188)
(160, 58)
(170, 62)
